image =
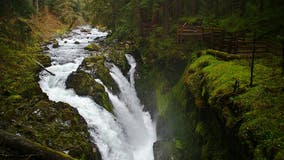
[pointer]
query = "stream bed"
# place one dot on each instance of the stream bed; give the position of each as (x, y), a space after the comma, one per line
(129, 133)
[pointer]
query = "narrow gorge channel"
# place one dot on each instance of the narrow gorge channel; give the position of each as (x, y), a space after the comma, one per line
(126, 134)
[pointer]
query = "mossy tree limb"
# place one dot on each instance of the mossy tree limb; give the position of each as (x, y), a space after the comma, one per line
(29, 148)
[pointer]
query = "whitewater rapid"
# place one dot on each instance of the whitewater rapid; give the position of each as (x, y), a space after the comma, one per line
(129, 133)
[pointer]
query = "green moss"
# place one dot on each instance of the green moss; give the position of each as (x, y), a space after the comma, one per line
(97, 65)
(14, 98)
(200, 129)
(55, 44)
(179, 144)
(119, 59)
(92, 47)
(255, 112)
(162, 101)
(84, 84)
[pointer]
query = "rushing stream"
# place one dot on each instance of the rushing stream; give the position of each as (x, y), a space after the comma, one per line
(129, 134)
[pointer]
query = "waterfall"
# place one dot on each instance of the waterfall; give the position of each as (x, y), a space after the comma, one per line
(129, 134)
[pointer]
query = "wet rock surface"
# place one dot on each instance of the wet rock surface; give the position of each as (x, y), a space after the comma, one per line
(84, 84)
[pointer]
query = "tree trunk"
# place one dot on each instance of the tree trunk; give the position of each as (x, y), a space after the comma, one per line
(155, 15)
(36, 5)
(242, 7)
(261, 6)
(137, 16)
(166, 18)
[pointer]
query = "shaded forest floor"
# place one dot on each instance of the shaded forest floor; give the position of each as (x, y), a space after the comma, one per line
(46, 25)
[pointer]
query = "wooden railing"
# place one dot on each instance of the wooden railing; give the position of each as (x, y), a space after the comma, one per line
(247, 46)
(236, 43)
(146, 29)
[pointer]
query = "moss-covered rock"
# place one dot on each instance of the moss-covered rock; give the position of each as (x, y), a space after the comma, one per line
(119, 59)
(96, 65)
(55, 44)
(92, 47)
(84, 84)
(45, 48)
(84, 30)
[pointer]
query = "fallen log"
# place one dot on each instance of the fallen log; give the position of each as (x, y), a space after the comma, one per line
(39, 64)
(22, 148)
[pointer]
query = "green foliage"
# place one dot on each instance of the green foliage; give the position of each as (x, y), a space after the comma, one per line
(10, 8)
(200, 129)
(190, 20)
(16, 33)
(179, 144)
(262, 127)
(128, 18)
(26, 111)
(162, 100)
(69, 11)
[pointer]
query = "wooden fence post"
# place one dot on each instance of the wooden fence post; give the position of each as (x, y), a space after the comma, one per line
(252, 63)
(282, 58)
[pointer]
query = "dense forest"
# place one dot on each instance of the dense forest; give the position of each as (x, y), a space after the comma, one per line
(209, 79)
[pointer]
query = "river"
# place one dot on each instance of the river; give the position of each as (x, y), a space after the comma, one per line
(129, 133)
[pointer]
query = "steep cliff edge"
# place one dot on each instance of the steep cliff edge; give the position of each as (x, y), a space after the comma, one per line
(252, 115)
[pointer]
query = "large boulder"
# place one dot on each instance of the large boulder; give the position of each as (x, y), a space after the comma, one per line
(84, 84)
(92, 47)
(98, 66)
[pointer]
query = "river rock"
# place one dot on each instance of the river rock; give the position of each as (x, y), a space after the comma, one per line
(45, 48)
(55, 44)
(97, 65)
(84, 84)
(47, 42)
(92, 47)
(84, 30)
(119, 59)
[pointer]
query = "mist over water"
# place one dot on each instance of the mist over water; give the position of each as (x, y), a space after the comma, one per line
(129, 134)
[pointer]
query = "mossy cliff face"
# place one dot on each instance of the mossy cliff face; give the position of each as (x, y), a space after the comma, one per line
(205, 115)
(251, 115)
(27, 112)
(165, 96)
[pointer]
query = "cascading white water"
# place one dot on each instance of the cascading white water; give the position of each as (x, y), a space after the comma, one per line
(130, 134)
